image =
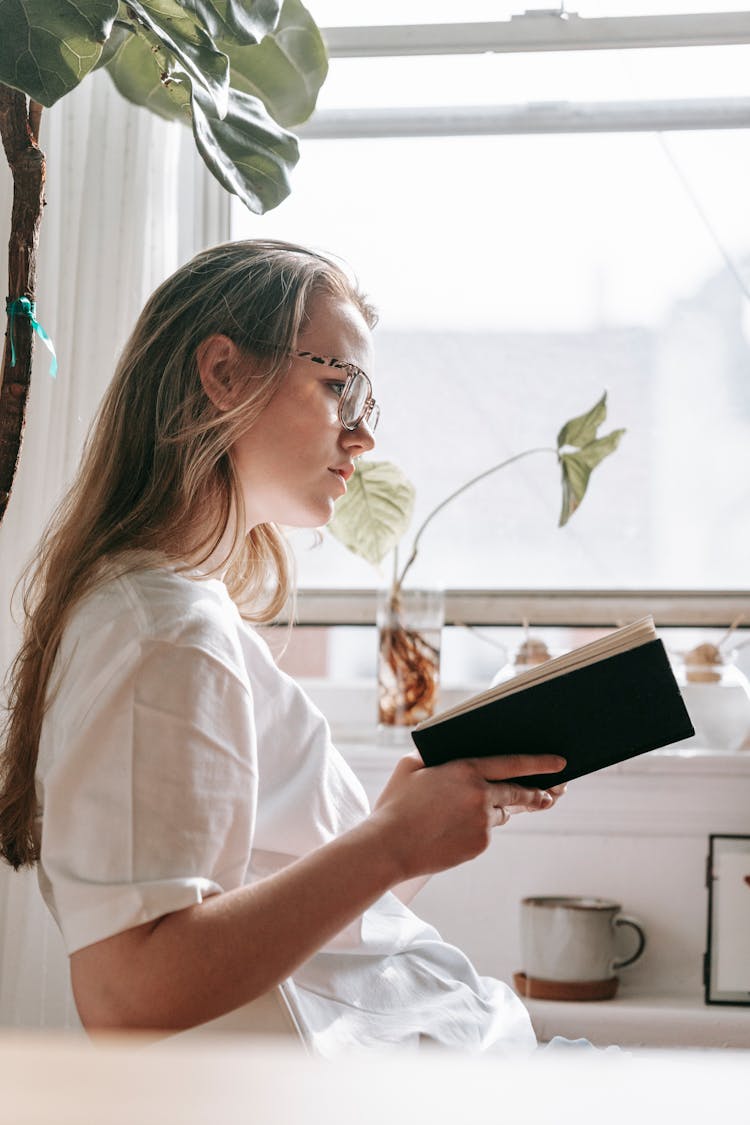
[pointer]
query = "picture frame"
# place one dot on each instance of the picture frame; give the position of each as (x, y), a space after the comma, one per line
(726, 972)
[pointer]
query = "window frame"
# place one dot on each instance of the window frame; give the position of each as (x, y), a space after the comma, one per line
(558, 607)
(538, 31)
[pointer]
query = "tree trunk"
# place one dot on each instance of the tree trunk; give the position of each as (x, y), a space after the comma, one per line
(19, 128)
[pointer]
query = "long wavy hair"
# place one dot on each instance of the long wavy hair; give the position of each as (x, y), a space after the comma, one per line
(157, 474)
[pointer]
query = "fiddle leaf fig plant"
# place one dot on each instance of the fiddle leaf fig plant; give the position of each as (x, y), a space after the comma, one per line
(374, 514)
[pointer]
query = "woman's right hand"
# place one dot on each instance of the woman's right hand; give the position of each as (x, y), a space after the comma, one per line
(435, 817)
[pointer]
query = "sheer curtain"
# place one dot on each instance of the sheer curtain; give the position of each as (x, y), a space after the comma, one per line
(127, 201)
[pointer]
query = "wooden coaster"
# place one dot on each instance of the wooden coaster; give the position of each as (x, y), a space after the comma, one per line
(536, 989)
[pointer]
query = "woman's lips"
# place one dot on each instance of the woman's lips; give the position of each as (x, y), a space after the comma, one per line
(345, 471)
(339, 473)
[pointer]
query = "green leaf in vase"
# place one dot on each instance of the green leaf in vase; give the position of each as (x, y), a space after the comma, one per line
(375, 512)
(580, 451)
(579, 431)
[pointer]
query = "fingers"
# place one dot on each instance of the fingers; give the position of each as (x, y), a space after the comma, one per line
(501, 767)
(548, 798)
(518, 798)
(499, 817)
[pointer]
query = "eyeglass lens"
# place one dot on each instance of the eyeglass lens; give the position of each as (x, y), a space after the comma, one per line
(354, 403)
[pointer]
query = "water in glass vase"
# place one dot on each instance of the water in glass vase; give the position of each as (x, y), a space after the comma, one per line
(409, 630)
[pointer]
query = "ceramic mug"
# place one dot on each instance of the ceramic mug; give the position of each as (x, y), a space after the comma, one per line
(574, 939)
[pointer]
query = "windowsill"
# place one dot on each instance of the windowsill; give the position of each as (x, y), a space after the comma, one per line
(680, 791)
(644, 1021)
(351, 709)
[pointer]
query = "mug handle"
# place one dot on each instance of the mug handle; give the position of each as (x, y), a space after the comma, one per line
(624, 920)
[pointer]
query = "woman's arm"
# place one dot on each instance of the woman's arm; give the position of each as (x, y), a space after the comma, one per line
(197, 964)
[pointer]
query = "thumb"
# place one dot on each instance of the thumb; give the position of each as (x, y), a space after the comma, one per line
(403, 769)
(409, 763)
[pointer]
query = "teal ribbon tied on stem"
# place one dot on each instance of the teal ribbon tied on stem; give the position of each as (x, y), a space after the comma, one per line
(22, 306)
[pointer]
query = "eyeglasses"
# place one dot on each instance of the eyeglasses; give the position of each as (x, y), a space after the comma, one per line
(356, 404)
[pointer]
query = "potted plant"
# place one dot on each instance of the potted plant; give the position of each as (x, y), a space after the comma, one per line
(374, 515)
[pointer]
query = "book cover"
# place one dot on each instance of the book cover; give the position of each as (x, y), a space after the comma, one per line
(594, 716)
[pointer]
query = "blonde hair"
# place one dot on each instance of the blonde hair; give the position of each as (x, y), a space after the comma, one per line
(157, 475)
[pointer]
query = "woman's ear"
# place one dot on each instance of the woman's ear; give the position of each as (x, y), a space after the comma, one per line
(218, 360)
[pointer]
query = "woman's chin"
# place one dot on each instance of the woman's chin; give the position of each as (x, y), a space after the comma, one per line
(318, 516)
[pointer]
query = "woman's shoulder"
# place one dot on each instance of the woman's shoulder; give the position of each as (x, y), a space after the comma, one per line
(157, 603)
(145, 626)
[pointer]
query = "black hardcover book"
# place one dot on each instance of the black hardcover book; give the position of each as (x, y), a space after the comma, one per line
(600, 704)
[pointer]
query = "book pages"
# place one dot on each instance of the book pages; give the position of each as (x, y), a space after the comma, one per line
(620, 640)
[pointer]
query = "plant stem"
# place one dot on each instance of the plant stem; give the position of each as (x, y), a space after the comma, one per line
(35, 119)
(19, 128)
(730, 631)
(398, 583)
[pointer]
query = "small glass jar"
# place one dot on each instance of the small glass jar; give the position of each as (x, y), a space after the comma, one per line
(529, 654)
(410, 626)
(717, 696)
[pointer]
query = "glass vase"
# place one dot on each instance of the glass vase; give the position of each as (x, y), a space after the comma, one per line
(410, 626)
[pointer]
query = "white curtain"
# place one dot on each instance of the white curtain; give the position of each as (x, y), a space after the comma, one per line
(127, 201)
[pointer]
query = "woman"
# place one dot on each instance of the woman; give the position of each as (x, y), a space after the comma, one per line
(199, 840)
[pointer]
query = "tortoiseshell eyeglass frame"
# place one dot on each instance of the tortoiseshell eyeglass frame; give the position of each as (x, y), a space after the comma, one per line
(370, 413)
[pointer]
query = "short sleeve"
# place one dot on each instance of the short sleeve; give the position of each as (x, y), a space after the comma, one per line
(149, 799)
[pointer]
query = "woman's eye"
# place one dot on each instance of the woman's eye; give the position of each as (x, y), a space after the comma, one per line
(337, 388)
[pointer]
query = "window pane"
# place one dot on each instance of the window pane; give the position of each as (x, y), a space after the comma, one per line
(515, 79)
(366, 13)
(518, 278)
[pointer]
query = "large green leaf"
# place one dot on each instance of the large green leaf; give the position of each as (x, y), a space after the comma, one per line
(246, 150)
(48, 46)
(181, 34)
(136, 65)
(286, 70)
(375, 512)
(246, 21)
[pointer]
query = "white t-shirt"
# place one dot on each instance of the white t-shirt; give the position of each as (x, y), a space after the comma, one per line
(177, 761)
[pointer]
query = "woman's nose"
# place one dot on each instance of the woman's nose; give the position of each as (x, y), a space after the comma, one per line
(361, 438)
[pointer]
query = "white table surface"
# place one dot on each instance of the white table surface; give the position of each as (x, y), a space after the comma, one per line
(53, 1080)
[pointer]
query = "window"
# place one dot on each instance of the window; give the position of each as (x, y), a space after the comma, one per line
(535, 229)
